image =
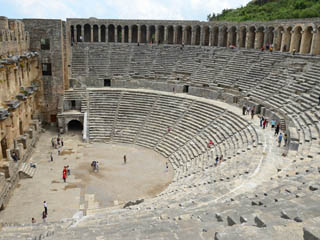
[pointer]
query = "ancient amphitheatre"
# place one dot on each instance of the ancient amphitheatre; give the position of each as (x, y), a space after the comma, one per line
(159, 91)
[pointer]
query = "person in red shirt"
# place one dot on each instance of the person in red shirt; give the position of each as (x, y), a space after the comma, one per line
(64, 174)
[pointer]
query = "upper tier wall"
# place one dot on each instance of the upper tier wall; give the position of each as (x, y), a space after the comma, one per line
(301, 35)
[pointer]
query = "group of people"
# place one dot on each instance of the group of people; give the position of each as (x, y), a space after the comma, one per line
(269, 47)
(95, 166)
(57, 142)
(219, 160)
(264, 122)
(44, 213)
(246, 110)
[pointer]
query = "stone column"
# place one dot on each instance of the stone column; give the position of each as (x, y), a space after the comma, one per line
(122, 34)
(157, 34)
(82, 33)
(91, 33)
(139, 33)
(166, 35)
(266, 37)
(305, 41)
(202, 37)
(175, 31)
(183, 34)
(248, 42)
(193, 35)
(229, 37)
(99, 33)
(238, 40)
(116, 33)
(148, 34)
(210, 36)
(293, 41)
(315, 45)
(130, 34)
(107, 34)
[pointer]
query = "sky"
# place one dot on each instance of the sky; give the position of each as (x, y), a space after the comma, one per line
(116, 9)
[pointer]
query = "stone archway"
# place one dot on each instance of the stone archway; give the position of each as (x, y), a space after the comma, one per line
(223, 37)
(197, 36)
(78, 29)
(126, 34)
(286, 43)
(179, 35)
(243, 37)
(306, 41)
(278, 39)
(119, 34)
(111, 33)
(206, 36)
(95, 33)
(170, 34)
(143, 34)
(215, 39)
(103, 33)
(232, 36)
(259, 38)
(74, 125)
(134, 34)
(251, 37)
(87, 33)
(187, 35)
(152, 34)
(161, 34)
(296, 39)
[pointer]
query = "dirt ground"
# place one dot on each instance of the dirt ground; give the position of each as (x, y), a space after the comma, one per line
(143, 176)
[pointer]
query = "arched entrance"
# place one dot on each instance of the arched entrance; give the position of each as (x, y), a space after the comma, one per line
(75, 126)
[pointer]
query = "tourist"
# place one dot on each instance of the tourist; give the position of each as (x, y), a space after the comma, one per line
(248, 110)
(68, 170)
(271, 49)
(51, 157)
(138, 44)
(267, 46)
(64, 174)
(261, 120)
(80, 38)
(285, 140)
(62, 142)
(53, 142)
(59, 150)
(33, 220)
(210, 144)
(44, 217)
(14, 157)
(264, 123)
(276, 132)
(221, 159)
(294, 52)
(168, 130)
(45, 207)
(125, 159)
(58, 140)
(252, 112)
(262, 48)
(273, 123)
(167, 166)
(244, 110)
(97, 166)
(319, 100)
(280, 139)
(217, 160)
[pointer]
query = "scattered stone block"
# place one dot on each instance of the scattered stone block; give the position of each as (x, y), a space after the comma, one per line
(259, 222)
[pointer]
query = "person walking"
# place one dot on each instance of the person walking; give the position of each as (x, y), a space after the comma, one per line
(51, 157)
(273, 123)
(276, 132)
(217, 160)
(68, 171)
(167, 166)
(62, 142)
(64, 174)
(280, 139)
(252, 113)
(45, 207)
(261, 120)
(264, 123)
(125, 159)
(285, 140)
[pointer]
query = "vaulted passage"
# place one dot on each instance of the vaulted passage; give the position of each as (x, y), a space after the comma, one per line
(75, 125)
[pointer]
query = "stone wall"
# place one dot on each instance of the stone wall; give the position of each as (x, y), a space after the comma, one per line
(301, 35)
(14, 40)
(53, 84)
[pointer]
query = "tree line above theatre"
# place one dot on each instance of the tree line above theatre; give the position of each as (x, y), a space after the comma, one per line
(261, 10)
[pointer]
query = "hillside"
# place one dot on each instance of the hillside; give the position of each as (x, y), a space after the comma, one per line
(262, 10)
